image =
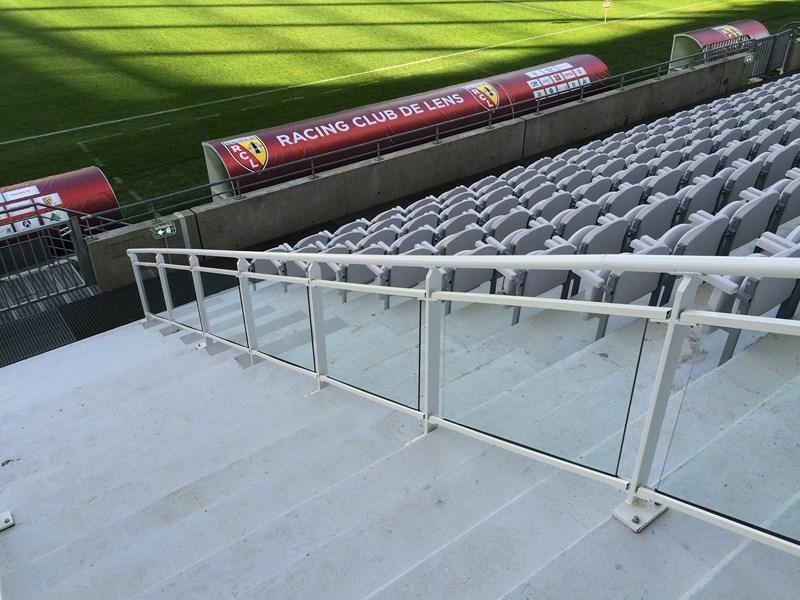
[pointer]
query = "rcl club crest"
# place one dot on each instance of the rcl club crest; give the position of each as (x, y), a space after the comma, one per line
(249, 151)
(485, 93)
(730, 32)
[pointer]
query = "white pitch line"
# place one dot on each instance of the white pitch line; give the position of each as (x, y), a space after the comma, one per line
(333, 91)
(102, 137)
(161, 126)
(85, 148)
(253, 107)
(412, 63)
(203, 118)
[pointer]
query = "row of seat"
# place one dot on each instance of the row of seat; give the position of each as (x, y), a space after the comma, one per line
(702, 182)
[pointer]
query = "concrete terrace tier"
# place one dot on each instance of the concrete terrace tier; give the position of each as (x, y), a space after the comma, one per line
(146, 468)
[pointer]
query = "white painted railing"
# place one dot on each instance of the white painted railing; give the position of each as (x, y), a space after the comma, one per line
(644, 501)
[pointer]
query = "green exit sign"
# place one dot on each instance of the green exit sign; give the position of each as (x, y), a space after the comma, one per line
(163, 230)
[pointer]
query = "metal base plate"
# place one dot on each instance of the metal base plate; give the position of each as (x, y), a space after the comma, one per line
(169, 330)
(637, 515)
(6, 520)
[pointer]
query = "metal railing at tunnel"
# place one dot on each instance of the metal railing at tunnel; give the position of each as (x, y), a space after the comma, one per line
(631, 395)
(43, 258)
(768, 55)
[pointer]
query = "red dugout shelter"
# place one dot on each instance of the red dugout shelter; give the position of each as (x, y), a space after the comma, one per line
(259, 158)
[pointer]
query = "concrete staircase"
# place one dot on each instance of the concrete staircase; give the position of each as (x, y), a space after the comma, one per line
(142, 467)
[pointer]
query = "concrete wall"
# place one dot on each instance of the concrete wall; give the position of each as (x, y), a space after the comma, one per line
(293, 206)
(793, 57)
(108, 251)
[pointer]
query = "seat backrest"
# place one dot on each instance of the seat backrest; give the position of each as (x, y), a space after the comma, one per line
(502, 225)
(459, 189)
(540, 281)
(528, 240)
(352, 236)
(751, 220)
(595, 161)
(605, 239)
(483, 182)
(347, 227)
(409, 241)
(537, 194)
(388, 213)
(702, 196)
(703, 239)
(551, 206)
(577, 218)
(575, 180)
(594, 190)
(655, 219)
(701, 146)
(563, 172)
(528, 183)
(459, 197)
(502, 207)
(385, 236)
(612, 167)
(322, 237)
(511, 173)
(734, 151)
(704, 164)
(457, 209)
(406, 277)
(421, 209)
(665, 182)
(766, 139)
(460, 241)
(496, 195)
(635, 173)
(457, 223)
(790, 199)
(431, 219)
(632, 285)
(464, 280)
(620, 202)
(744, 176)
(780, 160)
(395, 221)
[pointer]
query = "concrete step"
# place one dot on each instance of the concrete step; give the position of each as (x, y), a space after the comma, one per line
(80, 409)
(35, 380)
(172, 458)
(664, 561)
(751, 570)
(761, 485)
(436, 531)
(184, 526)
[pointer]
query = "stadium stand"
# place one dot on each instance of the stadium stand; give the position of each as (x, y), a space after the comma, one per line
(719, 179)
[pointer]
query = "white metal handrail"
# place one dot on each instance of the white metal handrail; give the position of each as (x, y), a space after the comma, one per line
(676, 265)
(643, 504)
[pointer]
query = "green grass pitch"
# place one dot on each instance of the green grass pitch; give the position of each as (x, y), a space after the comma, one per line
(134, 86)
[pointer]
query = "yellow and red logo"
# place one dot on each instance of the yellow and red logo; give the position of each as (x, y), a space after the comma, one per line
(249, 151)
(729, 31)
(485, 93)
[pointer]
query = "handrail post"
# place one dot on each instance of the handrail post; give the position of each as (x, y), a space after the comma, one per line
(635, 512)
(137, 277)
(199, 293)
(81, 252)
(315, 311)
(243, 269)
(431, 351)
(162, 276)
